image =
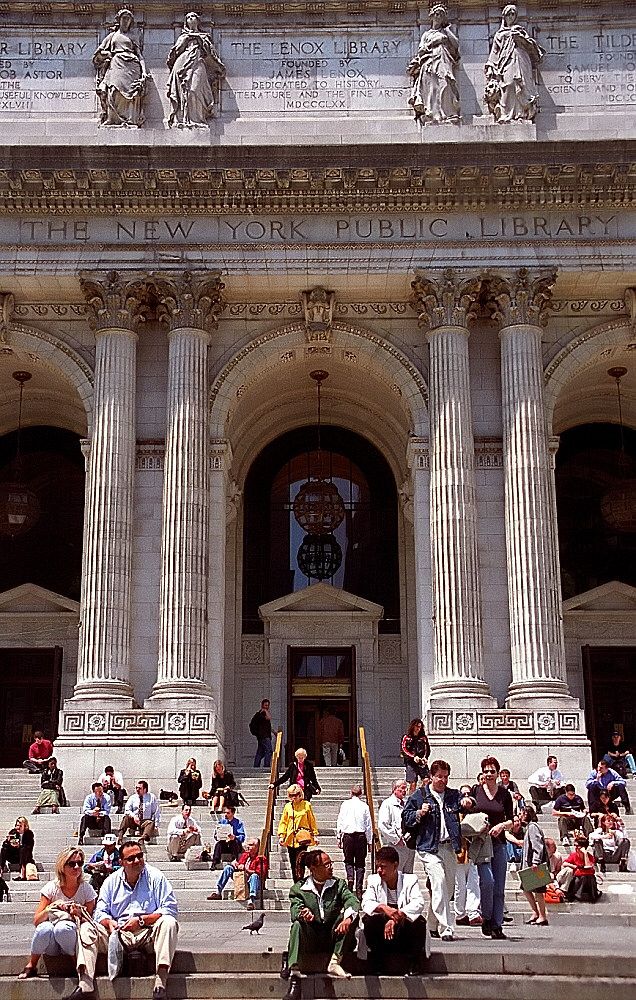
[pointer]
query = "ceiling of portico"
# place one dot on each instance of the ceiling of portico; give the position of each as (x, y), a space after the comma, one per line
(282, 397)
(590, 395)
(49, 398)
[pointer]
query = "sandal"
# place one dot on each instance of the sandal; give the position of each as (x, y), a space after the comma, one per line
(28, 972)
(543, 923)
(532, 920)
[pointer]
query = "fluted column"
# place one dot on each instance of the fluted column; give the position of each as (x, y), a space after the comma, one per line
(104, 642)
(444, 304)
(534, 588)
(189, 305)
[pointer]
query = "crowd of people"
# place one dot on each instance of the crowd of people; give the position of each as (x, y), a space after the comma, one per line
(467, 840)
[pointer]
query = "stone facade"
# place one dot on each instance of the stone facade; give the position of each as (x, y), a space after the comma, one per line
(172, 287)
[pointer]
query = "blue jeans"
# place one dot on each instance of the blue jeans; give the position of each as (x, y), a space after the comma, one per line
(226, 875)
(263, 752)
(492, 885)
(54, 939)
(513, 853)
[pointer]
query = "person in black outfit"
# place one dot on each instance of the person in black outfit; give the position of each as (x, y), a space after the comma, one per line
(222, 788)
(261, 728)
(301, 772)
(496, 801)
(190, 782)
(571, 811)
(17, 848)
(415, 752)
(619, 756)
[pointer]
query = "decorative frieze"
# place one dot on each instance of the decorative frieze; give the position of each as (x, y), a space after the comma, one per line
(478, 724)
(150, 456)
(137, 722)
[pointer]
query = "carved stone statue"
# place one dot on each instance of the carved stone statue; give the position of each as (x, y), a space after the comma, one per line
(121, 76)
(435, 94)
(194, 68)
(511, 89)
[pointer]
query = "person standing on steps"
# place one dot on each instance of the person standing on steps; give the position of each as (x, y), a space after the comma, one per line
(433, 810)
(415, 753)
(390, 825)
(261, 728)
(297, 828)
(301, 772)
(535, 853)
(496, 801)
(355, 835)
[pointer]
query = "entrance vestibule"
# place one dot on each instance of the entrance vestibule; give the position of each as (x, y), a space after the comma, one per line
(29, 699)
(320, 679)
(609, 674)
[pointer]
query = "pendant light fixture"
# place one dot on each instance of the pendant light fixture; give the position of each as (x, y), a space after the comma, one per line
(19, 506)
(318, 507)
(618, 506)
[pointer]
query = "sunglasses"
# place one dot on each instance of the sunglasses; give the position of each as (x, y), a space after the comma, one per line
(133, 859)
(73, 864)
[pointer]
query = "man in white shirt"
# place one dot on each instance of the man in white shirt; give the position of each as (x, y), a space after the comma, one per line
(546, 783)
(390, 825)
(142, 814)
(113, 782)
(355, 835)
(183, 832)
(393, 921)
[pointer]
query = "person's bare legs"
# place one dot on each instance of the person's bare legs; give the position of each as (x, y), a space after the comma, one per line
(530, 896)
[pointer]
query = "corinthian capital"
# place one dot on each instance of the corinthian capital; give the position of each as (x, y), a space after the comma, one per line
(522, 298)
(189, 300)
(7, 304)
(115, 302)
(447, 299)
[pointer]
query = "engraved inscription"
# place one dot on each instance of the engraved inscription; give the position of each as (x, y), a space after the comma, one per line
(44, 72)
(589, 69)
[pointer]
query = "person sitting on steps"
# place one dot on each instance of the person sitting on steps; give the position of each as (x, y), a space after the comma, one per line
(51, 782)
(392, 917)
(142, 814)
(95, 812)
(254, 866)
(233, 844)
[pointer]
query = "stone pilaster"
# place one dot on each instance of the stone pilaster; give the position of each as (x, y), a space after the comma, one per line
(189, 306)
(534, 588)
(444, 304)
(115, 305)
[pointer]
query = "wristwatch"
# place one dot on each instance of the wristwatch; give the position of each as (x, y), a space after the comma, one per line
(142, 922)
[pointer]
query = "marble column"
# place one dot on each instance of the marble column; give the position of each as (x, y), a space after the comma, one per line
(534, 586)
(444, 303)
(189, 306)
(114, 307)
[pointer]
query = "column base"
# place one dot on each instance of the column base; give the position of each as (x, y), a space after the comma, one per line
(193, 695)
(117, 694)
(461, 694)
(541, 694)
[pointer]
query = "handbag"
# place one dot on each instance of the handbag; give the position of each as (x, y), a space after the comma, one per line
(535, 878)
(241, 885)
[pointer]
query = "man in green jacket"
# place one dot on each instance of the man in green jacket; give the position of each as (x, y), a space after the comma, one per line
(323, 909)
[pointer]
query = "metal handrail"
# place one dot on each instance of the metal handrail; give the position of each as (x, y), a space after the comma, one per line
(265, 844)
(367, 787)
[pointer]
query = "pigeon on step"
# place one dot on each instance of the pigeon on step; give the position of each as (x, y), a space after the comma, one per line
(256, 925)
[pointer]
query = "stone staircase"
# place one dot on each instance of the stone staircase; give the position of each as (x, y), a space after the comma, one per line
(216, 959)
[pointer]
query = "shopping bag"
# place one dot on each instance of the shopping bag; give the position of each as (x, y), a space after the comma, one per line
(535, 878)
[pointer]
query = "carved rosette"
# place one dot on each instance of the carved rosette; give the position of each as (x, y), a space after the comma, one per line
(447, 300)
(190, 301)
(7, 305)
(114, 302)
(523, 298)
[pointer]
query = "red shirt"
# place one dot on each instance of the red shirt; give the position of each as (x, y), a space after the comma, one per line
(41, 751)
(254, 866)
(583, 861)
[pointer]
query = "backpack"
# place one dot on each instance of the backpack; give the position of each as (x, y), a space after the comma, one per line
(409, 833)
(254, 726)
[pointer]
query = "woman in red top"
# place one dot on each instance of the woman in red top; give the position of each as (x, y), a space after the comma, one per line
(583, 886)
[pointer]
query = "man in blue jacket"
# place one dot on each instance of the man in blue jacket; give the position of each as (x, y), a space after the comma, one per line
(434, 810)
(604, 778)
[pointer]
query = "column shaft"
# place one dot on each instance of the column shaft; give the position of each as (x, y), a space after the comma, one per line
(185, 522)
(104, 648)
(455, 573)
(536, 628)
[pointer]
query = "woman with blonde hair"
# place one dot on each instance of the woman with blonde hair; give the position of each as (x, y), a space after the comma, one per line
(65, 900)
(222, 788)
(301, 772)
(297, 829)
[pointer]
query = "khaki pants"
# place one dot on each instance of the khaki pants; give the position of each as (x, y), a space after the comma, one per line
(143, 831)
(160, 938)
(179, 843)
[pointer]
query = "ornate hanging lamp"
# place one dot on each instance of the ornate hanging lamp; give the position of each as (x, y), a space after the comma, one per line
(19, 506)
(319, 557)
(618, 506)
(318, 506)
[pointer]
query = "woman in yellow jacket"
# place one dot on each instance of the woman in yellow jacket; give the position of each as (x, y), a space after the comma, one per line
(297, 829)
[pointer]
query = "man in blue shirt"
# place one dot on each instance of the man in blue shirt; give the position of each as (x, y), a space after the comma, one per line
(235, 839)
(604, 778)
(95, 812)
(138, 909)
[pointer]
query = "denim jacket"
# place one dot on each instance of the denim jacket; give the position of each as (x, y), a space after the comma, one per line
(429, 825)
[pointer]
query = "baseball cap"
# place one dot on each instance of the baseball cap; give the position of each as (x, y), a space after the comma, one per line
(109, 838)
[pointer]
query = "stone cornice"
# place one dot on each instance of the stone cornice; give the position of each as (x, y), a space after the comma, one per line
(513, 183)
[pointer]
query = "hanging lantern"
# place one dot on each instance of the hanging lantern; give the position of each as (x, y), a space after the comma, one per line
(19, 506)
(318, 506)
(319, 557)
(618, 506)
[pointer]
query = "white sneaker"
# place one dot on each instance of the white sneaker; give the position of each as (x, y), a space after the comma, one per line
(447, 936)
(335, 969)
